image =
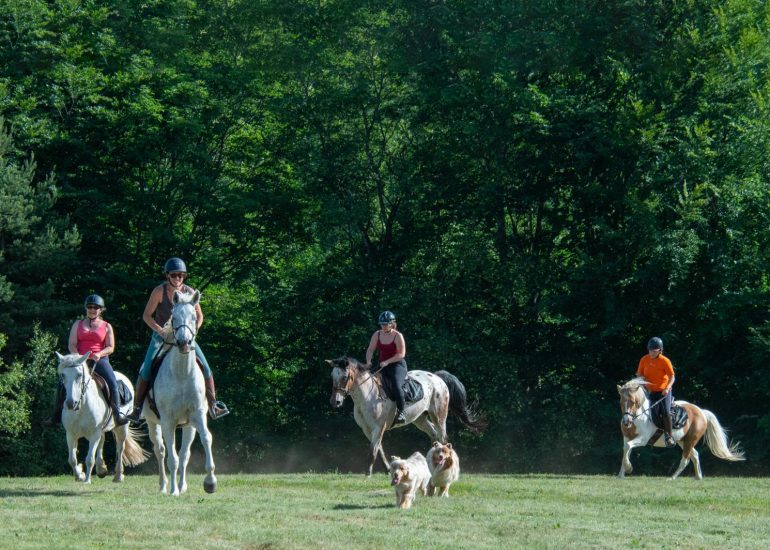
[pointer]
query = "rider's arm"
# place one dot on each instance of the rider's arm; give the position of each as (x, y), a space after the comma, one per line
(149, 309)
(109, 342)
(199, 316)
(371, 348)
(72, 344)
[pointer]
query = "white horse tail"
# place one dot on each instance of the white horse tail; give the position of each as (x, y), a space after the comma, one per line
(133, 454)
(716, 439)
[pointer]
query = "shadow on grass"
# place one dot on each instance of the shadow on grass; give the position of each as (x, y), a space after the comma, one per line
(361, 507)
(34, 494)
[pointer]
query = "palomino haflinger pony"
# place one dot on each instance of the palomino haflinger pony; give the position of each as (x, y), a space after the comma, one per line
(374, 413)
(637, 427)
(180, 396)
(87, 414)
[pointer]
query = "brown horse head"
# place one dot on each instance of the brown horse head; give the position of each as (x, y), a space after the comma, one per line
(632, 396)
(345, 371)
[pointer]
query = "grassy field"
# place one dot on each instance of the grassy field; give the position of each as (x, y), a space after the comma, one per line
(333, 511)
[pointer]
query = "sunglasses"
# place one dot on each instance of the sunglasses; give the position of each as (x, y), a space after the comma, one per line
(92, 306)
(177, 275)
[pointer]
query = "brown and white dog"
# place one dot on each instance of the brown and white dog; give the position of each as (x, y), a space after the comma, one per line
(444, 467)
(407, 476)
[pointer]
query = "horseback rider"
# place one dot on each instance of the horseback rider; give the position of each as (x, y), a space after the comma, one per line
(96, 335)
(157, 312)
(659, 372)
(391, 348)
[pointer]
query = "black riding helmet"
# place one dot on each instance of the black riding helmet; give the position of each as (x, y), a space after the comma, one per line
(96, 300)
(655, 343)
(174, 265)
(386, 317)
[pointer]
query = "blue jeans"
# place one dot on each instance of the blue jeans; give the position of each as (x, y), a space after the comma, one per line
(156, 342)
(104, 369)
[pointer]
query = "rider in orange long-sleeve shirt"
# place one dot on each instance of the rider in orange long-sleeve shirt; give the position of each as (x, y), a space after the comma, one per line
(659, 372)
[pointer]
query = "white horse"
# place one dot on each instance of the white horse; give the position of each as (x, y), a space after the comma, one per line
(87, 414)
(180, 396)
(374, 414)
(638, 428)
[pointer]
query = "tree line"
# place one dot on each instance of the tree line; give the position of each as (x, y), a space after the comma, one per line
(535, 188)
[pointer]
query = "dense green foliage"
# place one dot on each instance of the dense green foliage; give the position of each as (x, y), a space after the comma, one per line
(535, 188)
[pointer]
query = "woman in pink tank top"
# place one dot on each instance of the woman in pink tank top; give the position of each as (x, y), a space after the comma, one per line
(93, 334)
(391, 349)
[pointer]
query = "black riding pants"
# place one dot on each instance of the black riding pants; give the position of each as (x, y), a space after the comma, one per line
(104, 369)
(662, 408)
(395, 374)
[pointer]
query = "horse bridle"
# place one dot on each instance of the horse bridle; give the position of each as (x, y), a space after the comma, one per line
(345, 391)
(84, 383)
(182, 326)
(645, 411)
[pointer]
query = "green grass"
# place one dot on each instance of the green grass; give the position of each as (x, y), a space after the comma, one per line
(349, 511)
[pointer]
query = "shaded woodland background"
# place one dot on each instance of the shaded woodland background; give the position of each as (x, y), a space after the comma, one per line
(534, 188)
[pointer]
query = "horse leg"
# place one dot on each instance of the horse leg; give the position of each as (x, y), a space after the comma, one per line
(172, 458)
(72, 444)
(424, 425)
(120, 446)
(188, 435)
(160, 453)
(101, 465)
(210, 481)
(625, 463)
(439, 416)
(94, 441)
(375, 446)
(688, 450)
(695, 457)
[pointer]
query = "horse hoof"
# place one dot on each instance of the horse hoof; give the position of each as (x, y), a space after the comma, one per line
(103, 474)
(117, 479)
(210, 486)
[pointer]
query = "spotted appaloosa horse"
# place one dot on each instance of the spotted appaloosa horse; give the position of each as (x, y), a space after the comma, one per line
(374, 414)
(638, 428)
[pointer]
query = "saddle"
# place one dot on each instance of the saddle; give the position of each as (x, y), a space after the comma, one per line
(124, 394)
(412, 389)
(678, 420)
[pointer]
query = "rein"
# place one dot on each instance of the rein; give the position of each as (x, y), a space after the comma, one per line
(645, 411)
(345, 392)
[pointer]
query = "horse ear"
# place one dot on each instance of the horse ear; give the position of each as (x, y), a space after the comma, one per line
(176, 297)
(59, 356)
(329, 361)
(449, 445)
(84, 357)
(196, 297)
(620, 390)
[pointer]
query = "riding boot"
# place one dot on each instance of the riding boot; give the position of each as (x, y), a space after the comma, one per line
(400, 418)
(140, 393)
(217, 409)
(120, 418)
(55, 418)
(669, 439)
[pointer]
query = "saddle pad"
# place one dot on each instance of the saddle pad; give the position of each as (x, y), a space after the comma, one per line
(124, 393)
(412, 389)
(678, 417)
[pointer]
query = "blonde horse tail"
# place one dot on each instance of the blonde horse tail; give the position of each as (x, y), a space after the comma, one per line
(133, 454)
(716, 439)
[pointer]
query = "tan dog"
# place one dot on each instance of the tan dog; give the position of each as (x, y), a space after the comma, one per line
(407, 476)
(444, 467)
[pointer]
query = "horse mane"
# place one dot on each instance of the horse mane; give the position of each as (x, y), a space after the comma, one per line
(634, 384)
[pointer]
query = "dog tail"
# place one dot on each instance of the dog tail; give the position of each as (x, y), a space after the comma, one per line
(458, 404)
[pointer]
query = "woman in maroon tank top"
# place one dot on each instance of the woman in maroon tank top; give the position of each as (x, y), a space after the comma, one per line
(391, 349)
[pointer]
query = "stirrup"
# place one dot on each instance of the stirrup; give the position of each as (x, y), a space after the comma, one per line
(669, 441)
(400, 419)
(135, 415)
(217, 409)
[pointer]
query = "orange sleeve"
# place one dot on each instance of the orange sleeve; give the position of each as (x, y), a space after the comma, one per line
(669, 368)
